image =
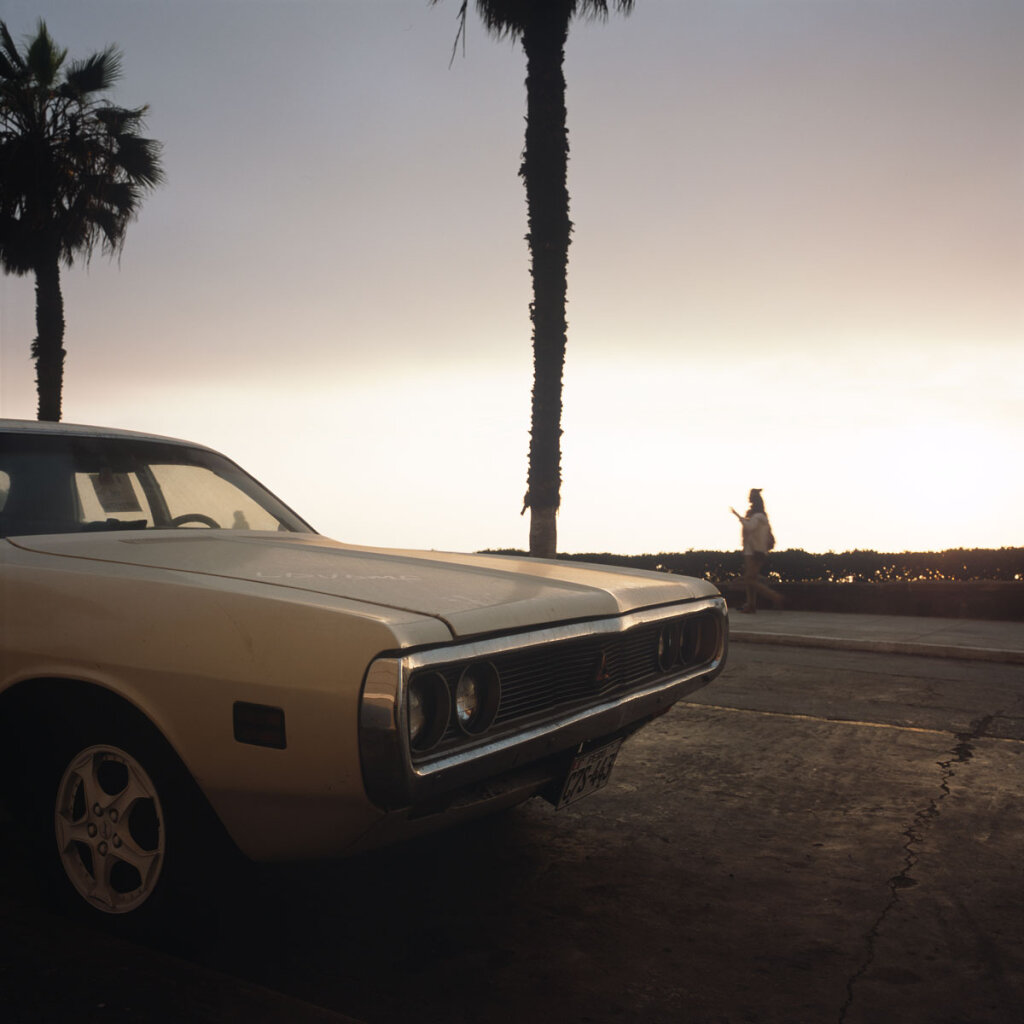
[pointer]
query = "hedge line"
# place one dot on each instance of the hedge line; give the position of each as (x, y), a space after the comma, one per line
(797, 566)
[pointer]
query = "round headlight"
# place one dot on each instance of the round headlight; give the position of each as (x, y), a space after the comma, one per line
(429, 708)
(477, 696)
(668, 645)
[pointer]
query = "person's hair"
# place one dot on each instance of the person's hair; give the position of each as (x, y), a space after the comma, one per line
(756, 501)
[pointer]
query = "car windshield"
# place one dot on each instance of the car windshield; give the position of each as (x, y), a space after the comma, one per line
(59, 483)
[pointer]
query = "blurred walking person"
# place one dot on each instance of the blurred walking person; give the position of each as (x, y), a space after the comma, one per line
(757, 542)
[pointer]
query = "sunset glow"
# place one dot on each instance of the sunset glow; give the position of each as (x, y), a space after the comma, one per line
(798, 264)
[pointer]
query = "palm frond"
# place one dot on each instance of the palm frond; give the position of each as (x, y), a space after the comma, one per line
(139, 159)
(508, 19)
(44, 59)
(599, 9)
(96, 73)
(12, 64)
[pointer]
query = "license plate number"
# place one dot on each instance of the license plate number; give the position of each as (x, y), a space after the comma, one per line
(588, 773)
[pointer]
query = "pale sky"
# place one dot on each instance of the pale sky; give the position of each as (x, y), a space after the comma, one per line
(798, 264)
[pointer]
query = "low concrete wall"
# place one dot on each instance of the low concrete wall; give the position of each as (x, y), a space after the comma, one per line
(982, 599)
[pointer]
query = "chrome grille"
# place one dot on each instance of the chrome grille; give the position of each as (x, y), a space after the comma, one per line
(574, 673)
(546, 681)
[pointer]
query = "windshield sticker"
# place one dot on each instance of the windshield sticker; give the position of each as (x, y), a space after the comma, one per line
(114, 492)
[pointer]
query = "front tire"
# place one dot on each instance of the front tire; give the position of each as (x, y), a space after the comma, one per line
(124, 838)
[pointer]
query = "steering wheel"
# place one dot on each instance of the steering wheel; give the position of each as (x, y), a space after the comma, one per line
(195, 517)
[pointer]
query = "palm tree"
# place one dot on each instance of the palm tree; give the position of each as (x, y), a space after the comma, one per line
(542, 26)
(73, 172)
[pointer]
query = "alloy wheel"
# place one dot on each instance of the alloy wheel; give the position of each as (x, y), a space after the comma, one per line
(109, 826)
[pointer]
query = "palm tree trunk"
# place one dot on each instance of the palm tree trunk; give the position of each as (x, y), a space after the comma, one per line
(544, 167)
(48, 347)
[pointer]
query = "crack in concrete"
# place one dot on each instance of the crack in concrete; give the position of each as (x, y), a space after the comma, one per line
(915, 834)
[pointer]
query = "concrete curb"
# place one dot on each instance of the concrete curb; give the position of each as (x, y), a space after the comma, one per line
(839, 643)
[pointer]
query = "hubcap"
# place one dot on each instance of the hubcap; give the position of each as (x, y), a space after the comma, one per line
(110, 829)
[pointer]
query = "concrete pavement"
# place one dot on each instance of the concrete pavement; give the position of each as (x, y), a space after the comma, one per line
(969, 639)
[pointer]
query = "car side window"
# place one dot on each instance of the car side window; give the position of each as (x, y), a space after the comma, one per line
(5, 488)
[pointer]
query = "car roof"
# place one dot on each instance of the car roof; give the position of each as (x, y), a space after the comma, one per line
(82, 430)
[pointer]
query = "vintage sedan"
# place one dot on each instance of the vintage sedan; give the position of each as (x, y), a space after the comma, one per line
(184, 661)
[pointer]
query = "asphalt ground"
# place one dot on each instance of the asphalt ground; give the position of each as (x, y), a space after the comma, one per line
(54, 970)
(889, 954)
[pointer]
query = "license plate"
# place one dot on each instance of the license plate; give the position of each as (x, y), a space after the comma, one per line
(588, 773)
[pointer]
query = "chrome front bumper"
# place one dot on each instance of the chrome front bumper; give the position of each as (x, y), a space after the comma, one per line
(395, 779)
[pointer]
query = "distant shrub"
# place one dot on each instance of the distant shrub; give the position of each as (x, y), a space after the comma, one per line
(797, 566)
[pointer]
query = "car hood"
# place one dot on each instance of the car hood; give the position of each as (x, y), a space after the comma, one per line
(472, 594)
